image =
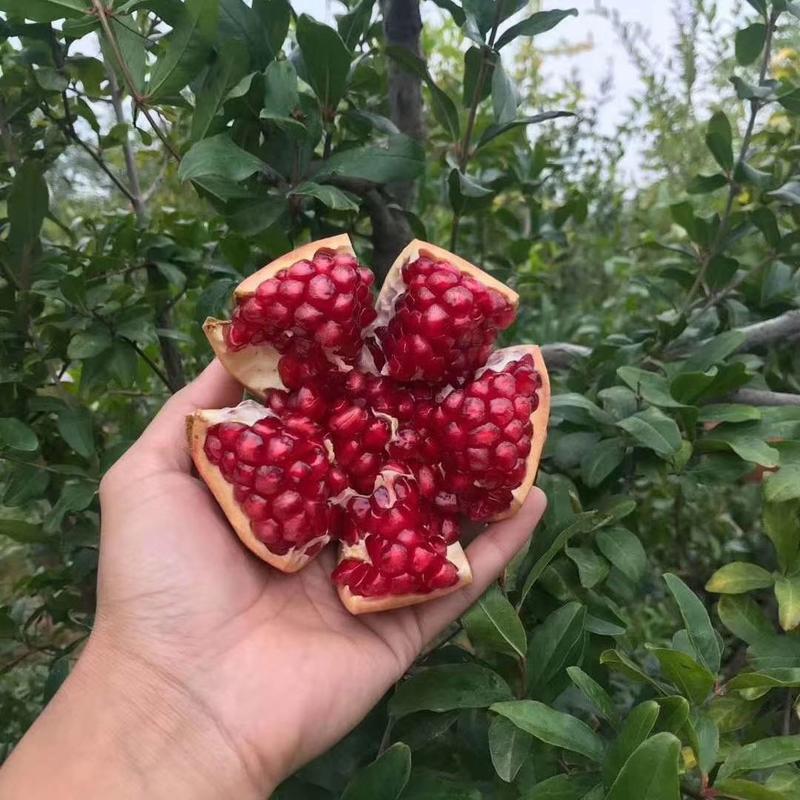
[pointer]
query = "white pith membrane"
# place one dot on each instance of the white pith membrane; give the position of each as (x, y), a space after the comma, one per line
(256, 367)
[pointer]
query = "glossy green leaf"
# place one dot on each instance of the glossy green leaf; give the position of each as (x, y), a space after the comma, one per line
(46, 10)
(493, 131)
(782, 525)
(230, 66)
(787, 593)
(592, 568)
(654, 430)
(739, 577)
(788, 676)
(535, 24)
(743, 618)
(697, 622)
(784, 485)
(327, 61)
(185, 49)
(75, 427)
(740, 789)
(221, 157)
(329, 196)
(673, 715)
(691, 679)
(635, 728)
(750, 43)
(624, 550)
(446, 687)
(384, 779)
(766, 753)
(492, 623)
(576, 786)
(504, 95)
(554, 644)
(553, 727)
(17, 435)
(703, 184)
(719, 140)
(509, 746)
(600, 460)
(651, 386)
(651, 771)
(594, 693)
(400, 159)
(619, 662)
(728, 412)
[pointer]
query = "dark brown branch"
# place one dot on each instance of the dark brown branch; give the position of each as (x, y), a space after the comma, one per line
(402, 26)
(390, 231)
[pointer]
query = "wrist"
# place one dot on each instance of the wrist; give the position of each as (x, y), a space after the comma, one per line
(121, 727)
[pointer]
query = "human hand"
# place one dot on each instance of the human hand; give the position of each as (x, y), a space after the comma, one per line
(209, 674)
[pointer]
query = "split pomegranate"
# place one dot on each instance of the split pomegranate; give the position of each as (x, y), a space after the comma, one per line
(381, 423)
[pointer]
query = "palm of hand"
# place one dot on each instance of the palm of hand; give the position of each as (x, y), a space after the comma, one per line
(276, 660)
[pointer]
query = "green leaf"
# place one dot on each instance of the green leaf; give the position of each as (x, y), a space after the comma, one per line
(229, 68)
(537, 23)
(27, 206)
(353, 25)
(383, 779)
(731, 713)
(400, 159)
(739, 577)
(748, 448)
(555, 644)
(743, 618)
(582, 523)
(444, 109)
(449, 686)
(750, 43)
(707, 734)
(592, 568)
(624, 550)
(674, 714)
(75, 427)
(493, 131)
(17, 435)
(691, 678)
(619, 662)
(739, 789)
(275, 16)
(651, 771)
(784, 485)
(553, 727)
(787, 593)
(782, 525)
(504, 95)
(654, 388)
(89, 343)
(654, 430)
(601, 460)
(697, 622)
(327, 61)
(221, 157)
(20, 530)
(509, 746)
(133, 47)
(576, 786)
(763, 754)
(187, 48)
(788, 194)
(702, 184)
(786, 677)
(728, 412)
(46, 10)
(719, 140)
(595, 694)
(713, 351)
(281, 97)
(493, 623)
(329, 196)
(429, 785)
(635, 728)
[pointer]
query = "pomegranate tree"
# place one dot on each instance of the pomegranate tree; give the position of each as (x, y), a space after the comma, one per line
(380, 422)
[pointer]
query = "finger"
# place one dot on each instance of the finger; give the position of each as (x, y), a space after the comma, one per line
(164, 443)
(488, 556)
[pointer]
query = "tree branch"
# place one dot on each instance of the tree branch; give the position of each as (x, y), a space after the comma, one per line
(763, 397)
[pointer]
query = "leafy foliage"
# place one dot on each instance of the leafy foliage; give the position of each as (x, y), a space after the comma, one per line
(646, 644)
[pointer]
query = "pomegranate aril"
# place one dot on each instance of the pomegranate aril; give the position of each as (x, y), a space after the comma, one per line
(228, 433)
(423, 559)
(403, 584)
(444, 577)
(213, 449)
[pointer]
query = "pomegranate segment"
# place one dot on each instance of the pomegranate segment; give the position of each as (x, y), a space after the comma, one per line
(444, 323)
(272, 478)
(326, 299)
(381, 423)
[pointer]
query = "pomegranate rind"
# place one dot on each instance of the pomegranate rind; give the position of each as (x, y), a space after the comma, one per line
(357, 604)
(394, 285)
(256, 366)
(258, 373)
(539, 420)
(197, 426)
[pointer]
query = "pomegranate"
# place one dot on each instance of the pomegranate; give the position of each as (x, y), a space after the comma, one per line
(379, 424)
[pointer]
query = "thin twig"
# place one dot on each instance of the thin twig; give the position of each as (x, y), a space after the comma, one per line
(149, 361)
(755, 106)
